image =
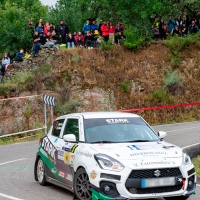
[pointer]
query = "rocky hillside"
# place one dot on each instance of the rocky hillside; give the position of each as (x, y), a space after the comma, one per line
(100, 80)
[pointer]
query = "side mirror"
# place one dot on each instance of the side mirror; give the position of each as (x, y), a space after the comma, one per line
(69, 138)
(162, 134)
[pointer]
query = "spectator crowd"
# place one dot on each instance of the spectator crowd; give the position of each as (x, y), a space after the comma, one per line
(181, 26)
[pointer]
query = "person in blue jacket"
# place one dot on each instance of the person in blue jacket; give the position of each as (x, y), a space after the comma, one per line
(86, 27)
(19, 57)
(171, 24)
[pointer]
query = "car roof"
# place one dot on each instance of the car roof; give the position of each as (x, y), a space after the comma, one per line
(91, 115)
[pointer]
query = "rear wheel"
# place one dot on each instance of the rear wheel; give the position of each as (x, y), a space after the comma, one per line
(176, 198)
(82, 186)
(41, 172)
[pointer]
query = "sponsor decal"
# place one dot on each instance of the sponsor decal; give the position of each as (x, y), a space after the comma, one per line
(56, 140)
(54, 170)
(135, 164)
(159, 143)
(93, 175)
(81, 153)
(140, 147)
(68, 177)
(168, 147)
(150, 153)
(60, 155)
(61, 174)
(43, 152)
(48, 147)
(157, 163)
(74, 148)
(117, 121)
(67, 157)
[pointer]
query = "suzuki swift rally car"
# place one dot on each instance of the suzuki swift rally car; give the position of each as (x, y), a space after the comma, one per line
(113, 155)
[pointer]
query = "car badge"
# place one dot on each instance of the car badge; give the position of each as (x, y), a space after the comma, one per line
(157, 173)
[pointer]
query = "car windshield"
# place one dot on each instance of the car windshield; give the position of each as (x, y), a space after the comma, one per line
(117, 130)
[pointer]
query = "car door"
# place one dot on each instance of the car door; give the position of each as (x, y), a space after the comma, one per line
(66, 152)
(52, 145)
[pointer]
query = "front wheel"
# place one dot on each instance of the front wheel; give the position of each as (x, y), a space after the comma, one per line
(41, 172)
(82, 186)
(176, 198)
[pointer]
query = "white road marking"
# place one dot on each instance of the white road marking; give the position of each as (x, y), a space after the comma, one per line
(183, 129)
(198, 185)
(9, 197)
(177, 123)
(12, 161)
(190, 145)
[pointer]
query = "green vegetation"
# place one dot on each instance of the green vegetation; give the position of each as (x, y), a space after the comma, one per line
(160, 96)
(196, 162)
(126, 86)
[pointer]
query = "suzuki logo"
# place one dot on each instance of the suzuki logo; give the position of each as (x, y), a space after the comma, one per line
(157, 173)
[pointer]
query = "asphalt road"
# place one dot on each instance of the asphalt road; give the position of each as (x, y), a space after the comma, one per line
(17, 161)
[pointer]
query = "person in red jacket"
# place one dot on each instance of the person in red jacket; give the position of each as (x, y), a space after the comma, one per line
(79, 39)
(105, 31)
(112, 32)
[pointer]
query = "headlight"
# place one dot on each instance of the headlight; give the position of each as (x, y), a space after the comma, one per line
(186, 159)
(108, 163)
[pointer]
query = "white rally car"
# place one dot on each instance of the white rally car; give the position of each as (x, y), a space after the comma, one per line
(113, 155)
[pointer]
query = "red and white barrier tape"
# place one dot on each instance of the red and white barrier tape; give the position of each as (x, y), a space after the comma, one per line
(162, 107)
(23, 97)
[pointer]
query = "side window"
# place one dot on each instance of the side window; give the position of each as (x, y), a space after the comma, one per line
(57, 126)
(72, 128)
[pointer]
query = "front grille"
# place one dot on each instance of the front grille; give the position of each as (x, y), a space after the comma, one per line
(149, 173)
(159, 189)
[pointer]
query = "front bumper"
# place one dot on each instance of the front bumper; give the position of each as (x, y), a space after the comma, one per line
(122, 184)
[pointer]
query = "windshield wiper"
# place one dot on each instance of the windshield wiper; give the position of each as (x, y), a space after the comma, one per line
(139, 141)
(103, 141)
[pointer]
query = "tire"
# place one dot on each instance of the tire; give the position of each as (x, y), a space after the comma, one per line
(177, 198)
(82, 186)
(40, 172)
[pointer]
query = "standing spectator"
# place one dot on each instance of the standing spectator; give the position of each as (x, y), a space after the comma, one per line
(121, 26)
(5, 64)
(36, 43)
(193, 28)
(86, 27)
(171, 24)
(40, 21)
(94, 29)
(198, 17)
(19, 57)
(184, 30)
(46, 30)
(52, 27)
(118, 28)
(40, 31)
(176, 31)
(162, 29)
(105, 31)
(185, 20)
(100, 24)
(179, 22)
(63, 31)
(112, 33)
(156, 22)
(79, 39)
(70, 41)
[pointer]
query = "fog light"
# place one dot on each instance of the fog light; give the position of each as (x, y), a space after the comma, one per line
(133, 190)
(106, 188)
(191, 184)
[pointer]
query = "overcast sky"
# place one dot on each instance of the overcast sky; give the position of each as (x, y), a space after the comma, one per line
(48, 2)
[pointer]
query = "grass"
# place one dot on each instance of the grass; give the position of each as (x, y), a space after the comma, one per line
(196, 162)
(22, 138)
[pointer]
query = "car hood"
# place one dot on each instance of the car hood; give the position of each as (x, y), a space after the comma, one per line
(145, 154)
